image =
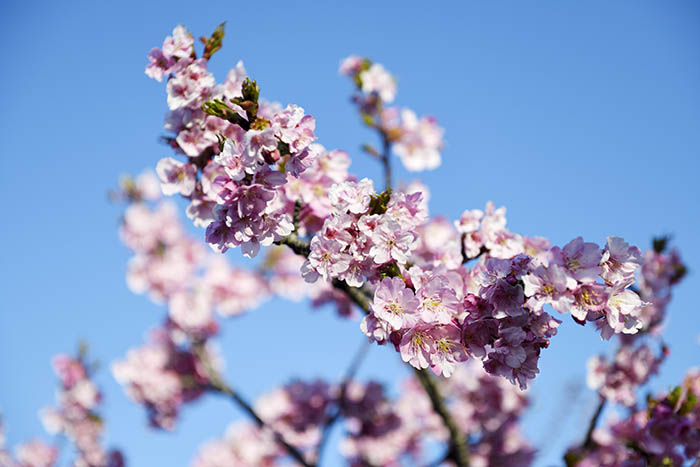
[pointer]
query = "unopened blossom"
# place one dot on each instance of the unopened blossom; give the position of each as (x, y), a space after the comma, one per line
(176, 176)
(377, 80)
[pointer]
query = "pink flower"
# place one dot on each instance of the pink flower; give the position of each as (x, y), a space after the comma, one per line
(416, 346)
(180, 44)
(350, 65)
(37, 454)
(420, 142)
(391, 243)
(580, 260)
(437, 301)
(326, 258)
(395, 303)
(547, 285)
(176, 176)
(620, 261)
(191, 86)
(623, 311)
(159, 65)
(377, 80)
(448, 350)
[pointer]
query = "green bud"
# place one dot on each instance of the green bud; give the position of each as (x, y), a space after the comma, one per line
(389, 270)
(378, 203)
(222, 140)
(660, 243)
(213, 43)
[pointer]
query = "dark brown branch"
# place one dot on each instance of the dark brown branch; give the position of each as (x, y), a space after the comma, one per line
(465, 258)
(217, 384)
(297, 245)
(588, 440)
(459, 451)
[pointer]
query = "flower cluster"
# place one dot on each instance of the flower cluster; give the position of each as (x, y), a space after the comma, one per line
(76, 416)
(618, 380)
(164, 374)
(667, 432)
(416, 141)
(240, 152)
(365, 234)
(379, 430)
(297, 411)
(244, 445)
(34, 453)
(662, 270)
(172, 267)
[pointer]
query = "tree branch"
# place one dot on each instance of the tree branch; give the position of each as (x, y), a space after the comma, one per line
(386, 159)
(459, 451)
(465, 258)
(217, 384)
(349, 375)
(588, 440)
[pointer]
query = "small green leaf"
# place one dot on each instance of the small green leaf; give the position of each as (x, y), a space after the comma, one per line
(378, 203)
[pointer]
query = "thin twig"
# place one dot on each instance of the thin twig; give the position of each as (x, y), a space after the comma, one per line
(386, 159)
(588, 440)
(217, 384)
(349, 375)
(465, 258)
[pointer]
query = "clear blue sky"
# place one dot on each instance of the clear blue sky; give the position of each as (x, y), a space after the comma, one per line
(583, 118)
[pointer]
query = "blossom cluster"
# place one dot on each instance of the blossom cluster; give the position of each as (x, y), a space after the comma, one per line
(172, 267)
(34, 453)
(662, 270)
(417, 141)
(379, 430)
(438, 313)
(241, 152)
(75, 417)
(364, 233)
(164, 374)
(666, 432)
(617, 381)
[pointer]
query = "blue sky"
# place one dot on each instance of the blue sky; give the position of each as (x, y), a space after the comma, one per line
(581, 117)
